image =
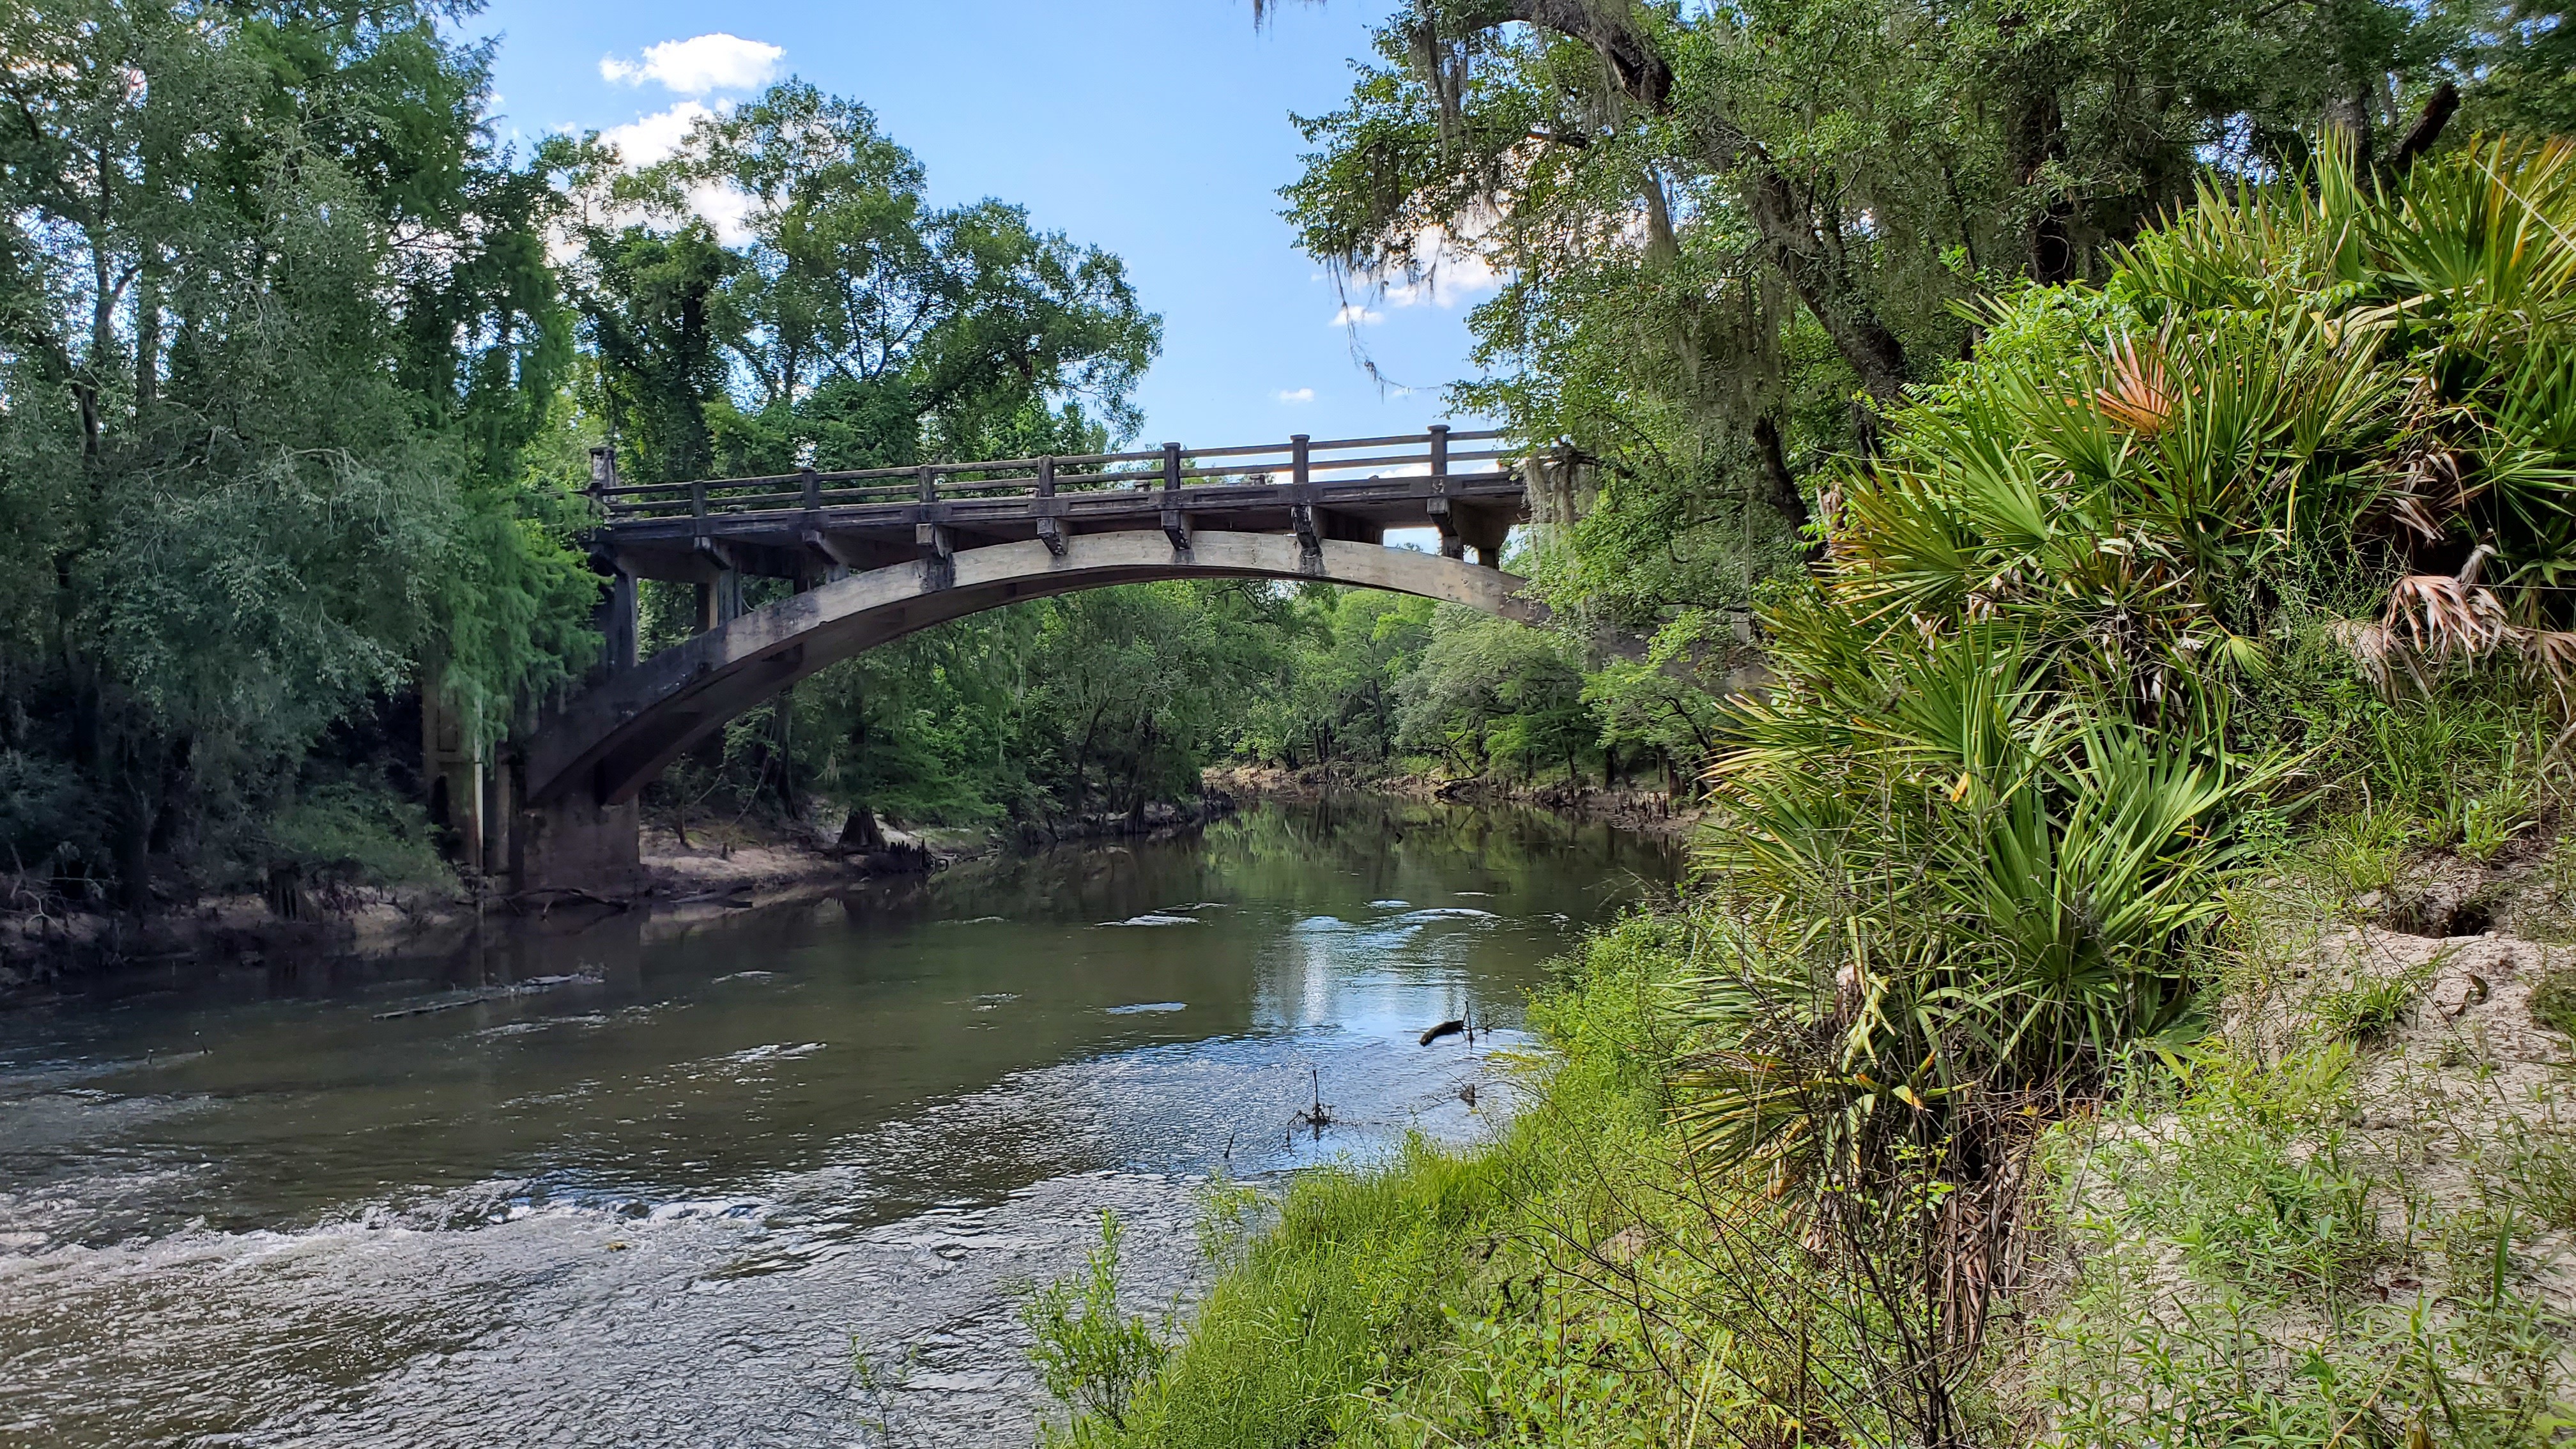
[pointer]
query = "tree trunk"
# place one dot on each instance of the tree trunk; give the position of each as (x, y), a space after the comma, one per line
(2039, 138)
(1779, 488)
(2438, 110)
(1788, 236)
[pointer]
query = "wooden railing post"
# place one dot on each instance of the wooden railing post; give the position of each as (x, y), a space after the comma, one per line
(1050, 532)
(1176, 524)
(1301, 501)
(1451, 544)
(698, 502)
(810, 484)
(930, 536)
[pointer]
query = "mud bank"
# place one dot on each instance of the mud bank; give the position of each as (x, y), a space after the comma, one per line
(690, 876)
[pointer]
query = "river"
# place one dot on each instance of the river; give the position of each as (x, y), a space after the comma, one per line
(780, 1177)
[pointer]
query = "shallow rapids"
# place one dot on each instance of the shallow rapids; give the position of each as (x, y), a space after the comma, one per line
(777, 1178)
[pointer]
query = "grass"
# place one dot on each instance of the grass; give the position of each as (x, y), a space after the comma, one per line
(2221, 1257)
(2368, 1005)
(2553, 1001)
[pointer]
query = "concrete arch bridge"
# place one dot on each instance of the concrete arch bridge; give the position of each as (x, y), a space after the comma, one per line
(877, 554)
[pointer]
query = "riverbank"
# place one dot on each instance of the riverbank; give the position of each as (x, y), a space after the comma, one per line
(1644, 811)
(2346, 1214)
(689, 875)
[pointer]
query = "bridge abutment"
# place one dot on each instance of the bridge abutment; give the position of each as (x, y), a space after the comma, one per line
(577, 845)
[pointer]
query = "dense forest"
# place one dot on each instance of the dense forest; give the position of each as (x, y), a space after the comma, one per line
(299, 372)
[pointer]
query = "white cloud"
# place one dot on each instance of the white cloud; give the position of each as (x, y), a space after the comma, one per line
(700, 64)
(1295, 395)
(1355, 315)
(648, 139)
(727, 210)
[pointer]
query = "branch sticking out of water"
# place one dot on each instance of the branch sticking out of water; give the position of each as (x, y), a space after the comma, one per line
(1318, 1116)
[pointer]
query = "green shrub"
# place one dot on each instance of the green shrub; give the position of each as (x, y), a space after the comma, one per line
(1090, 1355)
(2370, 1006)
(354, 835)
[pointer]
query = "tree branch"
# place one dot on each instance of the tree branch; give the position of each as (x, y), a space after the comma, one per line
(2439, 107)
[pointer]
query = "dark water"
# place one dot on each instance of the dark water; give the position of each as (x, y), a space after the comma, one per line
(646, 1184)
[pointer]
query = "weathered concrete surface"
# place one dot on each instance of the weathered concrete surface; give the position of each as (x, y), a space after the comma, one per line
(613, 738)
(578, 845)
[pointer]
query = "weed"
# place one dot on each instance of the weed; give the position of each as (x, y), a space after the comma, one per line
(2370, 1006)
(2489, 822)
(880, 1381)
(1091, 1356)
(2540, 1177)
(2362, 851)
(2553, 1001)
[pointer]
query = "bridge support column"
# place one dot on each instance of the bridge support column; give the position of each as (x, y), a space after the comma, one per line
(616, 621)
(577, 845)
(451, 772)
(1484, 529)
(720, 602)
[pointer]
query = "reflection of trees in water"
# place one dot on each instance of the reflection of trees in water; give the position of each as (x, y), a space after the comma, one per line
(1381, 837)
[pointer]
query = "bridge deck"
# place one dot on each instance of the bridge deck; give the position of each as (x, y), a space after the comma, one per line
(812, 524)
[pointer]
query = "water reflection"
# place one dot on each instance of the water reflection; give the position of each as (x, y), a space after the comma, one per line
(633, 1178)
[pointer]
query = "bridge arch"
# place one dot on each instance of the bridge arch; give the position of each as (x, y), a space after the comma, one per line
(606, 743)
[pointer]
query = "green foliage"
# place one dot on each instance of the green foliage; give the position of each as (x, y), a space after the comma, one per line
(1090, 1355)
(1956, 882)
(1489, 691)
(2368, 1007)
(350, 835)
(274, 331)
(1345, 653)
(1719, 227)
(2553, 1002)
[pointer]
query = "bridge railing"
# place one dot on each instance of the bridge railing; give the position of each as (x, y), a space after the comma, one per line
(1439, 452)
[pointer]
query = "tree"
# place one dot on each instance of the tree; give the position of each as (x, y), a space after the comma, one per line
(858, 326)
(1735, 234)
(275, 327)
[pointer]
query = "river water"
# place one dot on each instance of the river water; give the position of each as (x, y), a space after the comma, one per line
(781, 1177)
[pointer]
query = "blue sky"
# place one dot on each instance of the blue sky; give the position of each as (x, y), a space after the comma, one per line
(1157, 129)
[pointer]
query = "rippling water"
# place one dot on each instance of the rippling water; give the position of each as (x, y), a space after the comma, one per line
(628, 1182)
